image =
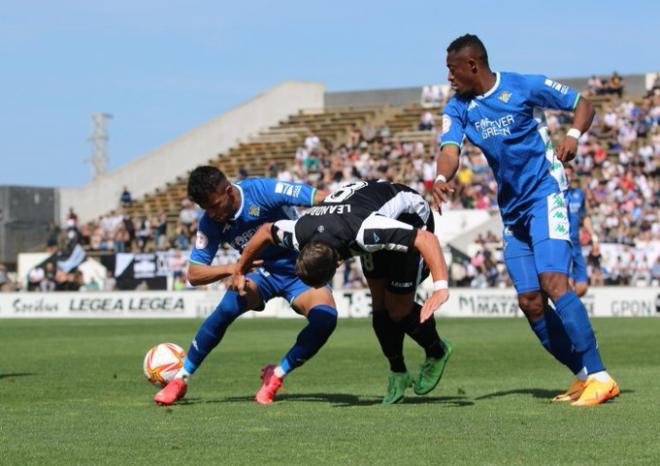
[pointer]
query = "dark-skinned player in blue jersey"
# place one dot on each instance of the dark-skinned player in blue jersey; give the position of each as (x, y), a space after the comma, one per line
(502, 114)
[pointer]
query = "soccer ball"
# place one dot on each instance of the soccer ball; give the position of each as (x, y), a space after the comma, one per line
(162, 362)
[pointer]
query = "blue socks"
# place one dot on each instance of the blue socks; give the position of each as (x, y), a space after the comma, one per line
(573, 316)
(213, 329)
(560, 343)
(552, 336)
(322, 321)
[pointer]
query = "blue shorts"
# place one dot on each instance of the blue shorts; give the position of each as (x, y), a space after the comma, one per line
(578, 266)
(283, 284)
(538, 243)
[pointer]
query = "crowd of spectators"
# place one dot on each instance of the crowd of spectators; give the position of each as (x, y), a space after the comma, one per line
(617, 167)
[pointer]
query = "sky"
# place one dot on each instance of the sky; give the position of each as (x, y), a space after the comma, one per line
(163, 68)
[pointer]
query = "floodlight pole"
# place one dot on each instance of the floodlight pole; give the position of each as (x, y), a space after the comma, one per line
(99, 141)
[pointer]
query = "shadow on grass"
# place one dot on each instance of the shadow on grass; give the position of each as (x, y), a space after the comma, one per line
(16, 374)
(535, 392)
(341, 400)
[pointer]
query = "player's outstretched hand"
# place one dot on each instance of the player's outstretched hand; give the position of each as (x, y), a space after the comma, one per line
(239, 280)
(437, 299)
(567, 149)
(441, 193)
(238, 283)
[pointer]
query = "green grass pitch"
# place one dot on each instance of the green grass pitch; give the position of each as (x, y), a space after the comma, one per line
(72, 392)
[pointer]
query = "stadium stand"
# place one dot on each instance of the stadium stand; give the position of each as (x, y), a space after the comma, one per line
(617, 168)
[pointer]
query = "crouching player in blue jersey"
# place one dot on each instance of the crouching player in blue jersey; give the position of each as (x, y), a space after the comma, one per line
(578, 212)
(502, 114)
(233, 212)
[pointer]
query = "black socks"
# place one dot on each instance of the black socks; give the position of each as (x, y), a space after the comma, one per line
(390, 336)
(424, 334)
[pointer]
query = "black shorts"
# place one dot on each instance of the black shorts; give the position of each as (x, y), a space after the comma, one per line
(403, 271)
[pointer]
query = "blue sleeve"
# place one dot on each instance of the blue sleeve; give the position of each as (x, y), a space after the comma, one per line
(207, 242)
(546, 93)
(279, 193)
(453, 125)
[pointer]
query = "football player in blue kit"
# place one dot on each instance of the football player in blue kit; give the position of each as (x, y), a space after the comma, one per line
(578, 213)
(232, 213)
(502, 114)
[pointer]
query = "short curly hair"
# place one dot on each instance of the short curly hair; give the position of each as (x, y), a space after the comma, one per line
(203, 181)
(469, 40)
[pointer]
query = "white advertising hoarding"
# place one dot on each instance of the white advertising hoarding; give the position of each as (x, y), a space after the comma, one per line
(600, 302)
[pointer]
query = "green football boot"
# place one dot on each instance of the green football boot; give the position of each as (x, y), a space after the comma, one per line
(397, 383)
(430, 372)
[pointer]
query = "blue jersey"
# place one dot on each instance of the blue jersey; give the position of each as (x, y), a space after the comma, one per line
(263, 200)
(508, 124)
(575, 201)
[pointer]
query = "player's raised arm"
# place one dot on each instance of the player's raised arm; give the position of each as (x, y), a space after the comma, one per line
(546, 93)
(429, 248)
(584, 115)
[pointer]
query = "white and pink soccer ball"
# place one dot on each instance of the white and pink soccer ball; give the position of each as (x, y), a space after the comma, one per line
(162, 362)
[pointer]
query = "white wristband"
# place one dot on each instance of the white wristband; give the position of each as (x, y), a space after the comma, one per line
(440, 285)
(440, 178)
(574, 133)
(594, 238)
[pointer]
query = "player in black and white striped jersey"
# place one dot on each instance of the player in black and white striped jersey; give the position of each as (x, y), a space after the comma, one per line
(390, 226)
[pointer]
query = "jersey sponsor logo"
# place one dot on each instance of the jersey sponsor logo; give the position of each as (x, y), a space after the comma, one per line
(241, 240)
(559, 87)
(490, 128)
(402, 284)
(446, 123)
(504, 96)
(201, 241)
(329, 209)
(287, 189)
(254, 210)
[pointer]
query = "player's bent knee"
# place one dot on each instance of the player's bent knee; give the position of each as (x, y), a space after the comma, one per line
(312, 298)
(531, 303)
(554, 284)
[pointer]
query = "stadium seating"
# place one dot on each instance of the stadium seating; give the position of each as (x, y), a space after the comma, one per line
(389, 138)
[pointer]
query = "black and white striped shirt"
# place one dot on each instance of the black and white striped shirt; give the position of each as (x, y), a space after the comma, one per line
(360, 217)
